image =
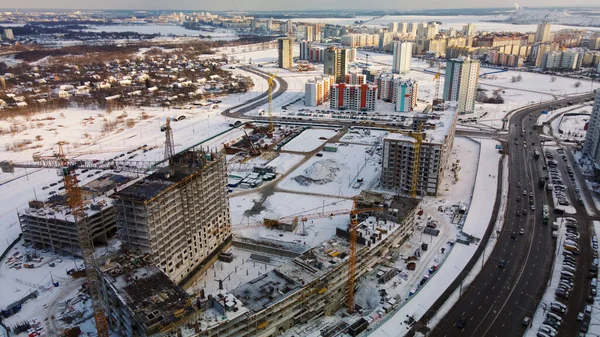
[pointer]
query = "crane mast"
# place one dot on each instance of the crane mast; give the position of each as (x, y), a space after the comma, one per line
(75, 202)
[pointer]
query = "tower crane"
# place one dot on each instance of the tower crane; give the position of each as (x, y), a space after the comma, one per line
(270, 91)
(418, 137)
(75, 202)
(352, 260)
(436, 79)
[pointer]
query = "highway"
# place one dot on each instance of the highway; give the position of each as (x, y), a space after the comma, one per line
(499, 298)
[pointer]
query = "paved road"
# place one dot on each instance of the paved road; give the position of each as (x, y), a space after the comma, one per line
(499, 298)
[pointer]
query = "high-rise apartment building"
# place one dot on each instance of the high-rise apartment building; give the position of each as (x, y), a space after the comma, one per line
(308, 33)
(402, 28)
(284, 52)
(353, 97)
(180, 215)
(336, 63)
(591, 146)
(407, 95)
(536, 57)
(468, 29)
(402, 52)
(7, 34)
(316, 91)
(566, 59)
(542, 34)
(393, 27)
(402, 92)
(304, 50)
(460, 83)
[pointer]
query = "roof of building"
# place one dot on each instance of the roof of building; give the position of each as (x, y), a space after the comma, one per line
(154, 300)
(180, 166)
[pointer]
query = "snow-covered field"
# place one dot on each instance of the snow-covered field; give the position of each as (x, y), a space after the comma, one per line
(285, 161)
(336, 173)
(309, 140)
(166, 30)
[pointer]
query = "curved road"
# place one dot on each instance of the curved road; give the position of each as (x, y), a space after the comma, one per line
(499, 298)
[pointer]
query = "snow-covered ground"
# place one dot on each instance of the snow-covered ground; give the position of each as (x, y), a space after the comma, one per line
(337, 173)
(281, 204)
(594, 328)
(394, 325)
(309, 140)
(485, 186)
(363, 136)
(166, 30)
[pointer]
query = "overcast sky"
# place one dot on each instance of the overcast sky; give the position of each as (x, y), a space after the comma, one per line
(212, 5)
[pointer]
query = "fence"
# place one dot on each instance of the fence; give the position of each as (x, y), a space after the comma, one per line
(10, 247)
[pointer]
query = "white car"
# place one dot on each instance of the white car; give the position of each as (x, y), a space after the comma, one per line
(580, 316)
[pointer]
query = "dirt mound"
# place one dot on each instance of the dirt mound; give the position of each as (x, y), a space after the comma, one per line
(320, 173)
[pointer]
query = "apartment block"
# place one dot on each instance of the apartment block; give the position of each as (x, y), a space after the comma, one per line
(542, 34)
(591, 146)
(399, 153)
(316, 91)
(468, 29)
(336, 63)
(353, 97)
(355, 78)
(7, 34)
(460, 83)
(402, 92)
(565, 59)
(304, 50)
(406, 98)
(180, 215)
(402, 52)
(284, 53)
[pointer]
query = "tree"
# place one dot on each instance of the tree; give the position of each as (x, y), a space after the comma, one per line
(519, 78)
(577, 84)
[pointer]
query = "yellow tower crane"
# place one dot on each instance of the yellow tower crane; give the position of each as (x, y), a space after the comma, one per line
(270, 92)
(418, 136)
(436, 79)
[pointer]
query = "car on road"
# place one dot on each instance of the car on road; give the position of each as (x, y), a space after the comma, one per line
(513, 235)
(521, 231)
(501, 263)
(461, 323)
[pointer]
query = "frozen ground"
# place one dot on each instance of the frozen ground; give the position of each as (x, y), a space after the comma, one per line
(309, 140)
(485, 187)
(167, 30)
(336, 173)
(363, 136)
(281, 204)
(455, 262)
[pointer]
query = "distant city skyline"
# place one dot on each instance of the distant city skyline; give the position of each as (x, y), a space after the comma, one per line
(253, 5)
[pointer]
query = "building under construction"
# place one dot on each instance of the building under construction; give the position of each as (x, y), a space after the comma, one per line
(400, 151)
(179, 214)
(50, 224)
(312, 284)
(139, 299)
